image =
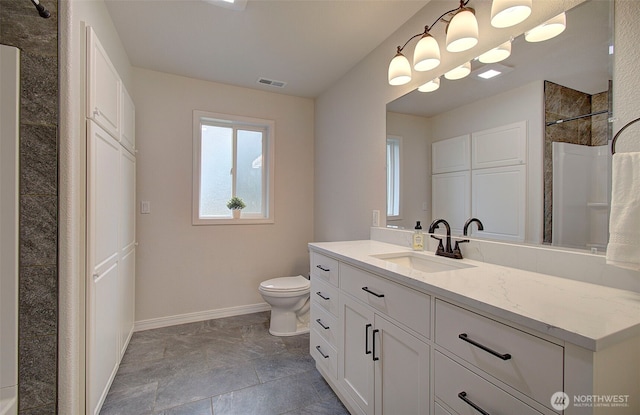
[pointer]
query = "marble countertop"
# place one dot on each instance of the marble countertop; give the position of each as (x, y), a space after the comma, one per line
(587, 315)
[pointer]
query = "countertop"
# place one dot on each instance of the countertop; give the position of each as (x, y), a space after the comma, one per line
(584, 314)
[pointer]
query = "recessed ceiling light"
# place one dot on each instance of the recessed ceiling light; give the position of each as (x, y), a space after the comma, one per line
(229, 4)
(489, 74)
(491, 70)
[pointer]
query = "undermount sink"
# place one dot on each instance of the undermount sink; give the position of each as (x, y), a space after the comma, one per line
(419, 262)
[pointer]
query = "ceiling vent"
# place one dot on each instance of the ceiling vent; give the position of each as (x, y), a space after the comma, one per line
(271, 82)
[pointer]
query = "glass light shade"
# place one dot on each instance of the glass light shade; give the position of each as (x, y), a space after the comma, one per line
(498, 54)
(459, 72)
(462, 31)
(399, 70)
(547, 30)
(430, 86)
(507, 13)
(426, 55)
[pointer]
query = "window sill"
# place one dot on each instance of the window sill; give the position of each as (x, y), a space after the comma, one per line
(231, 221)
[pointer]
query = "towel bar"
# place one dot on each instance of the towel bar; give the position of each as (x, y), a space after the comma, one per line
(615, 137)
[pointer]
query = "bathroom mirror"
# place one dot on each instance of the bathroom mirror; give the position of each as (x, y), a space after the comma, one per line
(578, 67)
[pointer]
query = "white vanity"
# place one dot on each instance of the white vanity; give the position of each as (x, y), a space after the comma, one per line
(400, 332)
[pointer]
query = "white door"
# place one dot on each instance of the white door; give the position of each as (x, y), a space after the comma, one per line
(451, 199)
(355, 363)
(402, 371)
(103, 321)
(127, 236)
(499, 200)
(128, 121)
(450, 155)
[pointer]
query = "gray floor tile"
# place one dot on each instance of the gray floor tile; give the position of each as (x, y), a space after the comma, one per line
(133, 400)
(330, 406)
(283, 364)
(202, 407)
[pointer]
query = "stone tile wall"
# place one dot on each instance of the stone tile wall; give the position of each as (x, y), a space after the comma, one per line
(37, 38)
(560, 103)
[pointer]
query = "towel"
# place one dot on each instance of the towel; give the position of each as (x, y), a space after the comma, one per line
(623, 249)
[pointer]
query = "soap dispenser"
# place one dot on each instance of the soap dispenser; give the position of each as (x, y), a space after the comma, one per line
(418, 238)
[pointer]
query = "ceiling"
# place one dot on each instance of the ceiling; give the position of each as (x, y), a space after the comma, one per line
(308, 44)
(578, 58)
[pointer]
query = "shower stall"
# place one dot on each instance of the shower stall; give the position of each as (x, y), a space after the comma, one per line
(9, 112)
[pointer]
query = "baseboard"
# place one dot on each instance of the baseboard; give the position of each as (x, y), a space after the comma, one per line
(155, 323)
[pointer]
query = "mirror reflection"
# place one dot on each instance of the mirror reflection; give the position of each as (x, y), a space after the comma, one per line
(525, 152)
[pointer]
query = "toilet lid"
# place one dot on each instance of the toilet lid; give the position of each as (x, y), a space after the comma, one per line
(286, 284)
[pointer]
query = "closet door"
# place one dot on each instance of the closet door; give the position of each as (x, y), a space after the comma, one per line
(451, 199)
(103, 87)
(103, 266)
(450, 155)
(127, 245)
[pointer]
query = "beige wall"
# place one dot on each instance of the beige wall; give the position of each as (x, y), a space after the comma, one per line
(183, 268)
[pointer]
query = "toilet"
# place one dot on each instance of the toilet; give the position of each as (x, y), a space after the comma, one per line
(289, 301)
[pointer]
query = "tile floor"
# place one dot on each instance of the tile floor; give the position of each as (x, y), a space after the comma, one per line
(218, 367)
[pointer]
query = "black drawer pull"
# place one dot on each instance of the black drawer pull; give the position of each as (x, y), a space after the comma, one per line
(373, 340)
(463, 395)
(322, 324)
(319, 294)
(326, 356)
(366, 339)
(464, 337)
(371, 292)
(323, 268)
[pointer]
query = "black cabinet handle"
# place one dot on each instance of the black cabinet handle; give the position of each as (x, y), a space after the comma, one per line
(463, 336)
(323, 268)
(366, 339)
(373, 340)
(322, 324)
(371, 292)
(319, 294)
(326, 356)
(463, 395)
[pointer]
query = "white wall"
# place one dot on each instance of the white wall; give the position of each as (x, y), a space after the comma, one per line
(350, 122)
(415, 175)
(183, 268)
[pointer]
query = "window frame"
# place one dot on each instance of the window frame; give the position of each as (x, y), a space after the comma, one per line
(200, 118)
(397, 171)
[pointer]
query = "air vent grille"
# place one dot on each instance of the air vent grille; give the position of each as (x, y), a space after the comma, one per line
(271, 82)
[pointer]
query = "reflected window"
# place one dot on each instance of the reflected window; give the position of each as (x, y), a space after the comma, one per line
(394, 148)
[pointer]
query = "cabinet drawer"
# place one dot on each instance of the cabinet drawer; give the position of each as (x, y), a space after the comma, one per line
(407, 306)
(325, 268)
(325, 295)
(325, 356)
(324, 323)
(453, 380)
(533, 366)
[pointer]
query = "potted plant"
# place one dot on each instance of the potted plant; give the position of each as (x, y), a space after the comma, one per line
(236, 205)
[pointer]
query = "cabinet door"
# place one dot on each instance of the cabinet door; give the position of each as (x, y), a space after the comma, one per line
(450, 155)
(128, 118)
(499, 200)
(103, 87)
(355, 362)
(402, 371)
(126, 298)
(501, 146)
(127, 208)
(451, 198)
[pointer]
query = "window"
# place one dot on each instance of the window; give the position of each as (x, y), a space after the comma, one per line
(394, 145)
(232, 156)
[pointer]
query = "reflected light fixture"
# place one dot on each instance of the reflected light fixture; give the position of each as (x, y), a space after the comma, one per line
(547, 30)
(459, 72)
(507, 13)
(496, 54)
(430, 86)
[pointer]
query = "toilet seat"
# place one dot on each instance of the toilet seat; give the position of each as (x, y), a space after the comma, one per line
(286, 285)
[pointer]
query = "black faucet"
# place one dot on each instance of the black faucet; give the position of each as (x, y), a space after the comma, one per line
(469, 222)
(446, 251)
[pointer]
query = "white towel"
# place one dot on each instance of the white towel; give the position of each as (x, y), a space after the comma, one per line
(623, 249)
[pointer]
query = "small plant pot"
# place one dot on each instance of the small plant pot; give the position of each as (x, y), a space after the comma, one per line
(236, 213)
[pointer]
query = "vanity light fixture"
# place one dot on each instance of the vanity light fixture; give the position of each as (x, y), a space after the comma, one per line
(507, 13)
(497, 54)
(462, 34)
(547, 30)
(430, 86)
(459, 72)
